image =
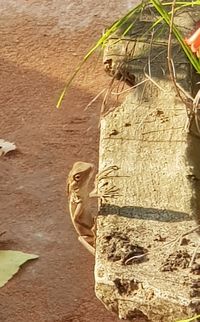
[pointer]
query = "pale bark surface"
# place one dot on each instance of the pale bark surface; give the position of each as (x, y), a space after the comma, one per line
(158, 181)
(41, 44)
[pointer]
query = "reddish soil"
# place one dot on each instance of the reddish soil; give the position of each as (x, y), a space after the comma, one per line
(41, 43)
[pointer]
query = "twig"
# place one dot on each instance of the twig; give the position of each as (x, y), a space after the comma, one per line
(103, 111)
(184, 92)
(129, 89)
(191, 107)
(151, 79)
(94, 99)
(169, 58)
(196, 100)
(149, 55)
(166, 244)
(194, 255)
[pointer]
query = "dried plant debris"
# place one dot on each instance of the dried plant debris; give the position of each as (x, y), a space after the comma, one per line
(120, 70)
(119, 248)
(176, 260)
(6, 147)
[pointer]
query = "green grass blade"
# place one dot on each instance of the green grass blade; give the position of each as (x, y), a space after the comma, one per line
(166, 17)
(184, 3)
(101, 42)
(189, 320)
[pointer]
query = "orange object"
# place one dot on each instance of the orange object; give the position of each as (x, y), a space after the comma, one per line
(194, 42)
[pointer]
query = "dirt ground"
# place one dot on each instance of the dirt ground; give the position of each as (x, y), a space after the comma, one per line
(41, 43)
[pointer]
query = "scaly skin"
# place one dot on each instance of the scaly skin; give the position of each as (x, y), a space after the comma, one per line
(78, 191)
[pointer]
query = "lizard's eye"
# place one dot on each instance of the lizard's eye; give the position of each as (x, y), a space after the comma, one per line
(77, 177)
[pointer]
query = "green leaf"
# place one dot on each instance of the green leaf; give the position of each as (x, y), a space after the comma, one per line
(10, 262)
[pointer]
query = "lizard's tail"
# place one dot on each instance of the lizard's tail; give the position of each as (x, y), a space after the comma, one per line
(86, 244)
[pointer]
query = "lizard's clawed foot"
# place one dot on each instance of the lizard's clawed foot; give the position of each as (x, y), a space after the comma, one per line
(111, 192)
(103, 190)
(105, 172)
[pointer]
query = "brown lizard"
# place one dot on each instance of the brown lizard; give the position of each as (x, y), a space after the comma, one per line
(78, 191)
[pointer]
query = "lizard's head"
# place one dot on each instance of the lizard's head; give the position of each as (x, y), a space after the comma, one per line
(82, 172)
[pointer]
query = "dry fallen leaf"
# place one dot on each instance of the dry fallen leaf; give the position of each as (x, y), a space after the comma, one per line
(6, 147)
(10, 262)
